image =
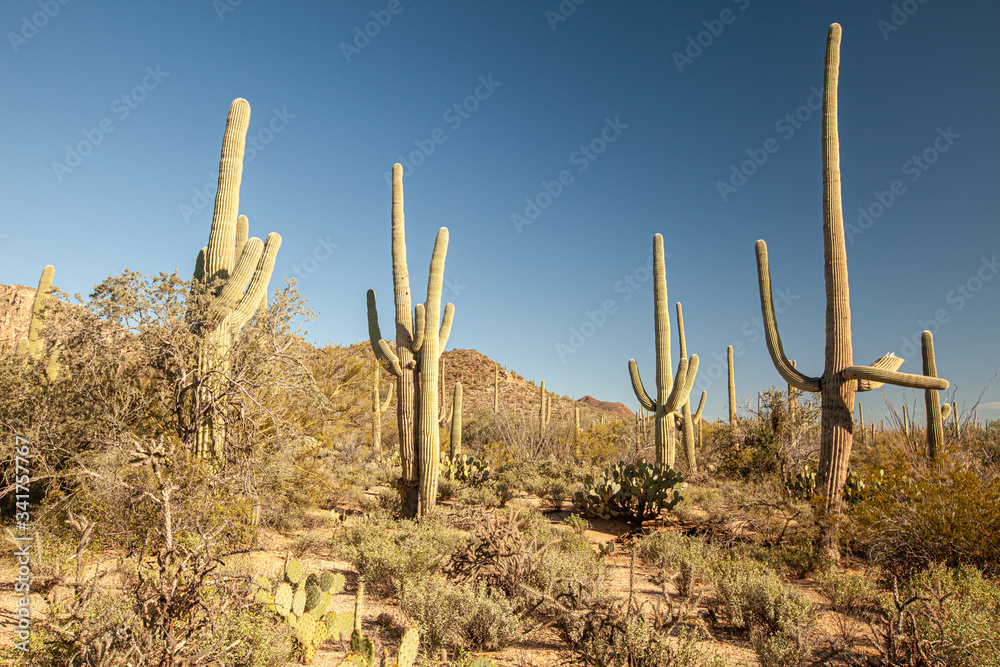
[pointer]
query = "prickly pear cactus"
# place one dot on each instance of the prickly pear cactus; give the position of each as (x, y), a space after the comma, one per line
(635, 492)
(293, 572)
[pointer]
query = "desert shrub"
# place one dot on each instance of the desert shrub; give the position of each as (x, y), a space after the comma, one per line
(849, 593)
(520, 554)
(942, 616)
(919, 513)
(610, 635)
(387, 552)
(483, 496)
(784, 648)
(448, 488)
(601, 444)
(749, 596)
(678, 557)
(577, 523)
(449, 614)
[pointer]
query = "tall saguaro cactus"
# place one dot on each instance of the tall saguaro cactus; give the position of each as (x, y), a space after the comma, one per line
(671, 394)
(414, 362)
(841, 378)
(237, 269)
(936, 413)
(732, 389)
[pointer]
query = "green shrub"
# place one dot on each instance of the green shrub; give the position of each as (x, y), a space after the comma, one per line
(386, 552)
(751, 597)
(681, 558)
(917, 514)
(942, 616)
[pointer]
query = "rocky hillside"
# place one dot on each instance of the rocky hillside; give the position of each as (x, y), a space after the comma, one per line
(15, 314)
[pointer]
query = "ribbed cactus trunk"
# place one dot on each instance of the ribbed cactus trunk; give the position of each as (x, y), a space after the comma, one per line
(456, 422)
(906, 422)
(670, 395)
(429, 345)
(496, 389)
(541, 407)
(686, 421)
(932, 400)
(732, 388)
(239, 268)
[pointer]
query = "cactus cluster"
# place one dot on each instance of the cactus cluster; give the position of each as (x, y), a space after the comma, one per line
(636, 492)
(303, 602)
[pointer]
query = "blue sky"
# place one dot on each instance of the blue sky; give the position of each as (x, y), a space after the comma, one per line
(617, 120)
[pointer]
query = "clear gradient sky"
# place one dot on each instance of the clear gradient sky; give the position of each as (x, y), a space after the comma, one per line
(616, 120)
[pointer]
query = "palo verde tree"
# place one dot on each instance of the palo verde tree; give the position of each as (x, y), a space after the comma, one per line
(841, 378)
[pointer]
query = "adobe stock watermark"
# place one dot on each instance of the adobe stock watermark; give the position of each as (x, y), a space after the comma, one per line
(581, 158)
(958, 297)
(454, 116)
(204, 197)
(627, 286)
(364, 34)
(900, 14)
(30, 25)
(562, 12)
(223, 7)
(122, 106)
(751, 331)
(714, 28)
(787, 126)
(914, 168)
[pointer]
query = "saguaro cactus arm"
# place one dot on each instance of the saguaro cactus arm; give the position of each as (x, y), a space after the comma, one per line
(889, 362)
(789, 373)
(879, 375)
(383, 353)
(701, 406)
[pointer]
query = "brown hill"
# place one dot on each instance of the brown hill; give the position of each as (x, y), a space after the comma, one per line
(617, 407)
(15, 314)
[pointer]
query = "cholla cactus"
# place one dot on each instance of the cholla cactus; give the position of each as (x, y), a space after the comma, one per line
(670, 394)
(237, 269)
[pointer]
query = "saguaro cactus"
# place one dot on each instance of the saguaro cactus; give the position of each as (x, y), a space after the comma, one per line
(541, 407)
(33, 345)
(732, 388)
(840, 379)
(237, 269)
(496, 389)
(670, 394)
(414, 362)
(456, 422)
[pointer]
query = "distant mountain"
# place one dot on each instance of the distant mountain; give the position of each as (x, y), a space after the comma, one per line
(617, 407)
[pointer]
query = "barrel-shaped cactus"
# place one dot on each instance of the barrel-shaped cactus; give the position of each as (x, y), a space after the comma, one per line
(671, 393)
(840, 378)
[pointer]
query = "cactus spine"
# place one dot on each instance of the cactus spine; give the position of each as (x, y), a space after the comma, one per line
(378, 408)
(840, 378)
(238, 269)
(670, 394)
(732, 388)
(456, 422)
(414, 362)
